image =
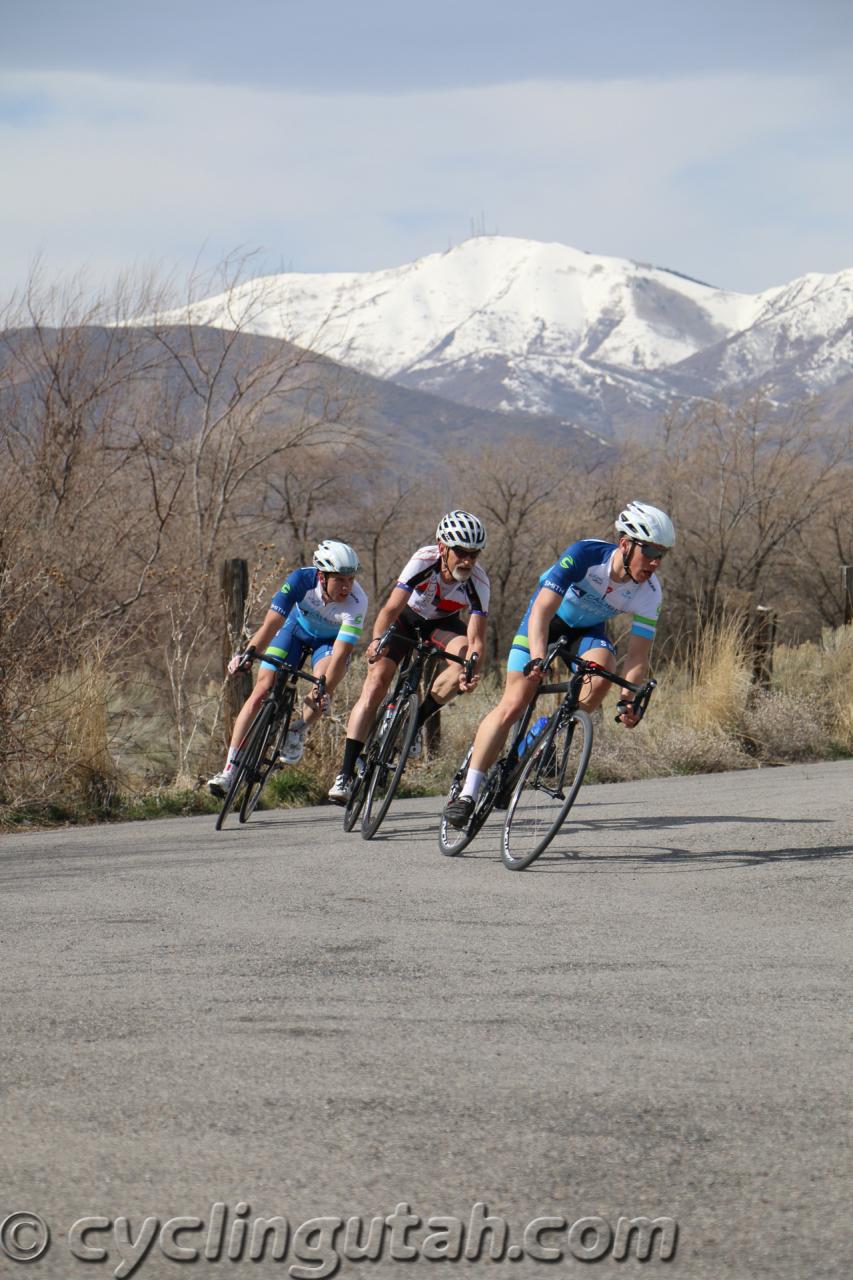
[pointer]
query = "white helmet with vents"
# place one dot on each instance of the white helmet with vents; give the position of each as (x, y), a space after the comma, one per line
(461, 529)
(336, 557)
(646, 524)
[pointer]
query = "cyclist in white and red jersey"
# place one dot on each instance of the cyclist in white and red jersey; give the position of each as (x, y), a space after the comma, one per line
(591, 582)
(436, 586)
(320, 610)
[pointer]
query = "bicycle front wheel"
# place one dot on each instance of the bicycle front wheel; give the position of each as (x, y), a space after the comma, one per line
(452, 840)
(546, 790)
(244, 769)
(391, 757)
(265, 758)
(358, 796)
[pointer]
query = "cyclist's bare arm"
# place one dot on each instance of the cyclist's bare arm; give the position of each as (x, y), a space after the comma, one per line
(332, 669)
(388, 614)
(476, 643)
(337, 665)
(265, 632)
(636, 669)
(544, 609)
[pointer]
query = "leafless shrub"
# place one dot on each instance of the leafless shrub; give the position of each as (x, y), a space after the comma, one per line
(785, 728)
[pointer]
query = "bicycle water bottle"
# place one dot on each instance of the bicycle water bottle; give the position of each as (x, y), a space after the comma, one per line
(532, 734)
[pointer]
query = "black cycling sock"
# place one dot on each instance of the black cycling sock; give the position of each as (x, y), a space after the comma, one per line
(428, 708)
(352, 750)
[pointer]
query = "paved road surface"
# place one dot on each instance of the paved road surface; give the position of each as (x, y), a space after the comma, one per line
(651, 1021)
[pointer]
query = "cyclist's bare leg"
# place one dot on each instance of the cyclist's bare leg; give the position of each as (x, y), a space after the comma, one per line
(518, 693)
(595, 691)
(379, 676)
(311, 711)
(446, 684)
(249, 709)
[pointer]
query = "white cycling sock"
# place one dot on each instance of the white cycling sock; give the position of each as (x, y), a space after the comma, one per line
(233, 753)
(473, 782)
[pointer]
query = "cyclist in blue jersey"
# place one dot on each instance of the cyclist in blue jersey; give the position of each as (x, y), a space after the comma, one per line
(590, 583)
(319, 610)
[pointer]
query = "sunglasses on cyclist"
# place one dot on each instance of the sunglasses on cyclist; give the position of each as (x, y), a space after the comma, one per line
(651, 553)
(470, 553)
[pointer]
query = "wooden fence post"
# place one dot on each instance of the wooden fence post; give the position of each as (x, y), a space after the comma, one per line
(847, 592)
(235, 586)
(763, 630)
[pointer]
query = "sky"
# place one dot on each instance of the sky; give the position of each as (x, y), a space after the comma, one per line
(352, 135)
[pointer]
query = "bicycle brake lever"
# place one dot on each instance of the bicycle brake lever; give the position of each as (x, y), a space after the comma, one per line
(534, 662)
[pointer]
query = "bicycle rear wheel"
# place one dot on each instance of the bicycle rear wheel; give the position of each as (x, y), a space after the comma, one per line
(546, 790)
(391, 757)
(244, 769)
(267, 758)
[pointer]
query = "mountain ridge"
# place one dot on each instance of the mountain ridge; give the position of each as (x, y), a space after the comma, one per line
(505, 324)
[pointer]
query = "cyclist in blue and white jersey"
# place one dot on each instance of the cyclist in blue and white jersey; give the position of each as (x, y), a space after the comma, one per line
(319, 610)
(590, 583)
(435, 587)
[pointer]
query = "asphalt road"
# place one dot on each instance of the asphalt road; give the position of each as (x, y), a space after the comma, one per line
(283, 1020)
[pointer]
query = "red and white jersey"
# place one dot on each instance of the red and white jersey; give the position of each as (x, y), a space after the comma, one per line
(433, 598)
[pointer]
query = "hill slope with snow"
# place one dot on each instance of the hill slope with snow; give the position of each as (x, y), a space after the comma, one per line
(504, 323)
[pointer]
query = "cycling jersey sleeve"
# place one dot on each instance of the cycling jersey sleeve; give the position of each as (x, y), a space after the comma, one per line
(644, 623)
(293, 589)
(572, 566)
(479, 589)
(418, 569)
(352, 623)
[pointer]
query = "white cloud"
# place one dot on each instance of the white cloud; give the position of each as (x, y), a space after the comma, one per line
(675, 171)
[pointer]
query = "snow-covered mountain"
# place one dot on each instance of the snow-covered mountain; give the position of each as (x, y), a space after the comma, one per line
(504, 323)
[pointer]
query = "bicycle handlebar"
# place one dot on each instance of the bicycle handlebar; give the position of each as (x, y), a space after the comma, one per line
(281, 665)
(248, 658)
(583, 667)
(639, 703)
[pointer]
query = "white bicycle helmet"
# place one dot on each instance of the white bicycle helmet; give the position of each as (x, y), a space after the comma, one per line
(461, 529)
(647, 524)
(336, 557)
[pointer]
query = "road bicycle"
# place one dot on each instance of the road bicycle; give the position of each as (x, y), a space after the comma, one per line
(263, 744)
(383, 758)
(537, 781)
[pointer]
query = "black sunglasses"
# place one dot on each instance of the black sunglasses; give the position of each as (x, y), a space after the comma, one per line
(651, 553)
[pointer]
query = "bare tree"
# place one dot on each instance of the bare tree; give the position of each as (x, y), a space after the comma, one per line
(743, 484)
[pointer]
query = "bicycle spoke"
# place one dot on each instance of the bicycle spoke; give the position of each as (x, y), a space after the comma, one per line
(549, 782)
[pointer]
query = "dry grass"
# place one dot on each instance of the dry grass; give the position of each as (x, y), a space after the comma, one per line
(60, 745)
(718, 675)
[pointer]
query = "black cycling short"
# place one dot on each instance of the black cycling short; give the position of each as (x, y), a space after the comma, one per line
(411, 626)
